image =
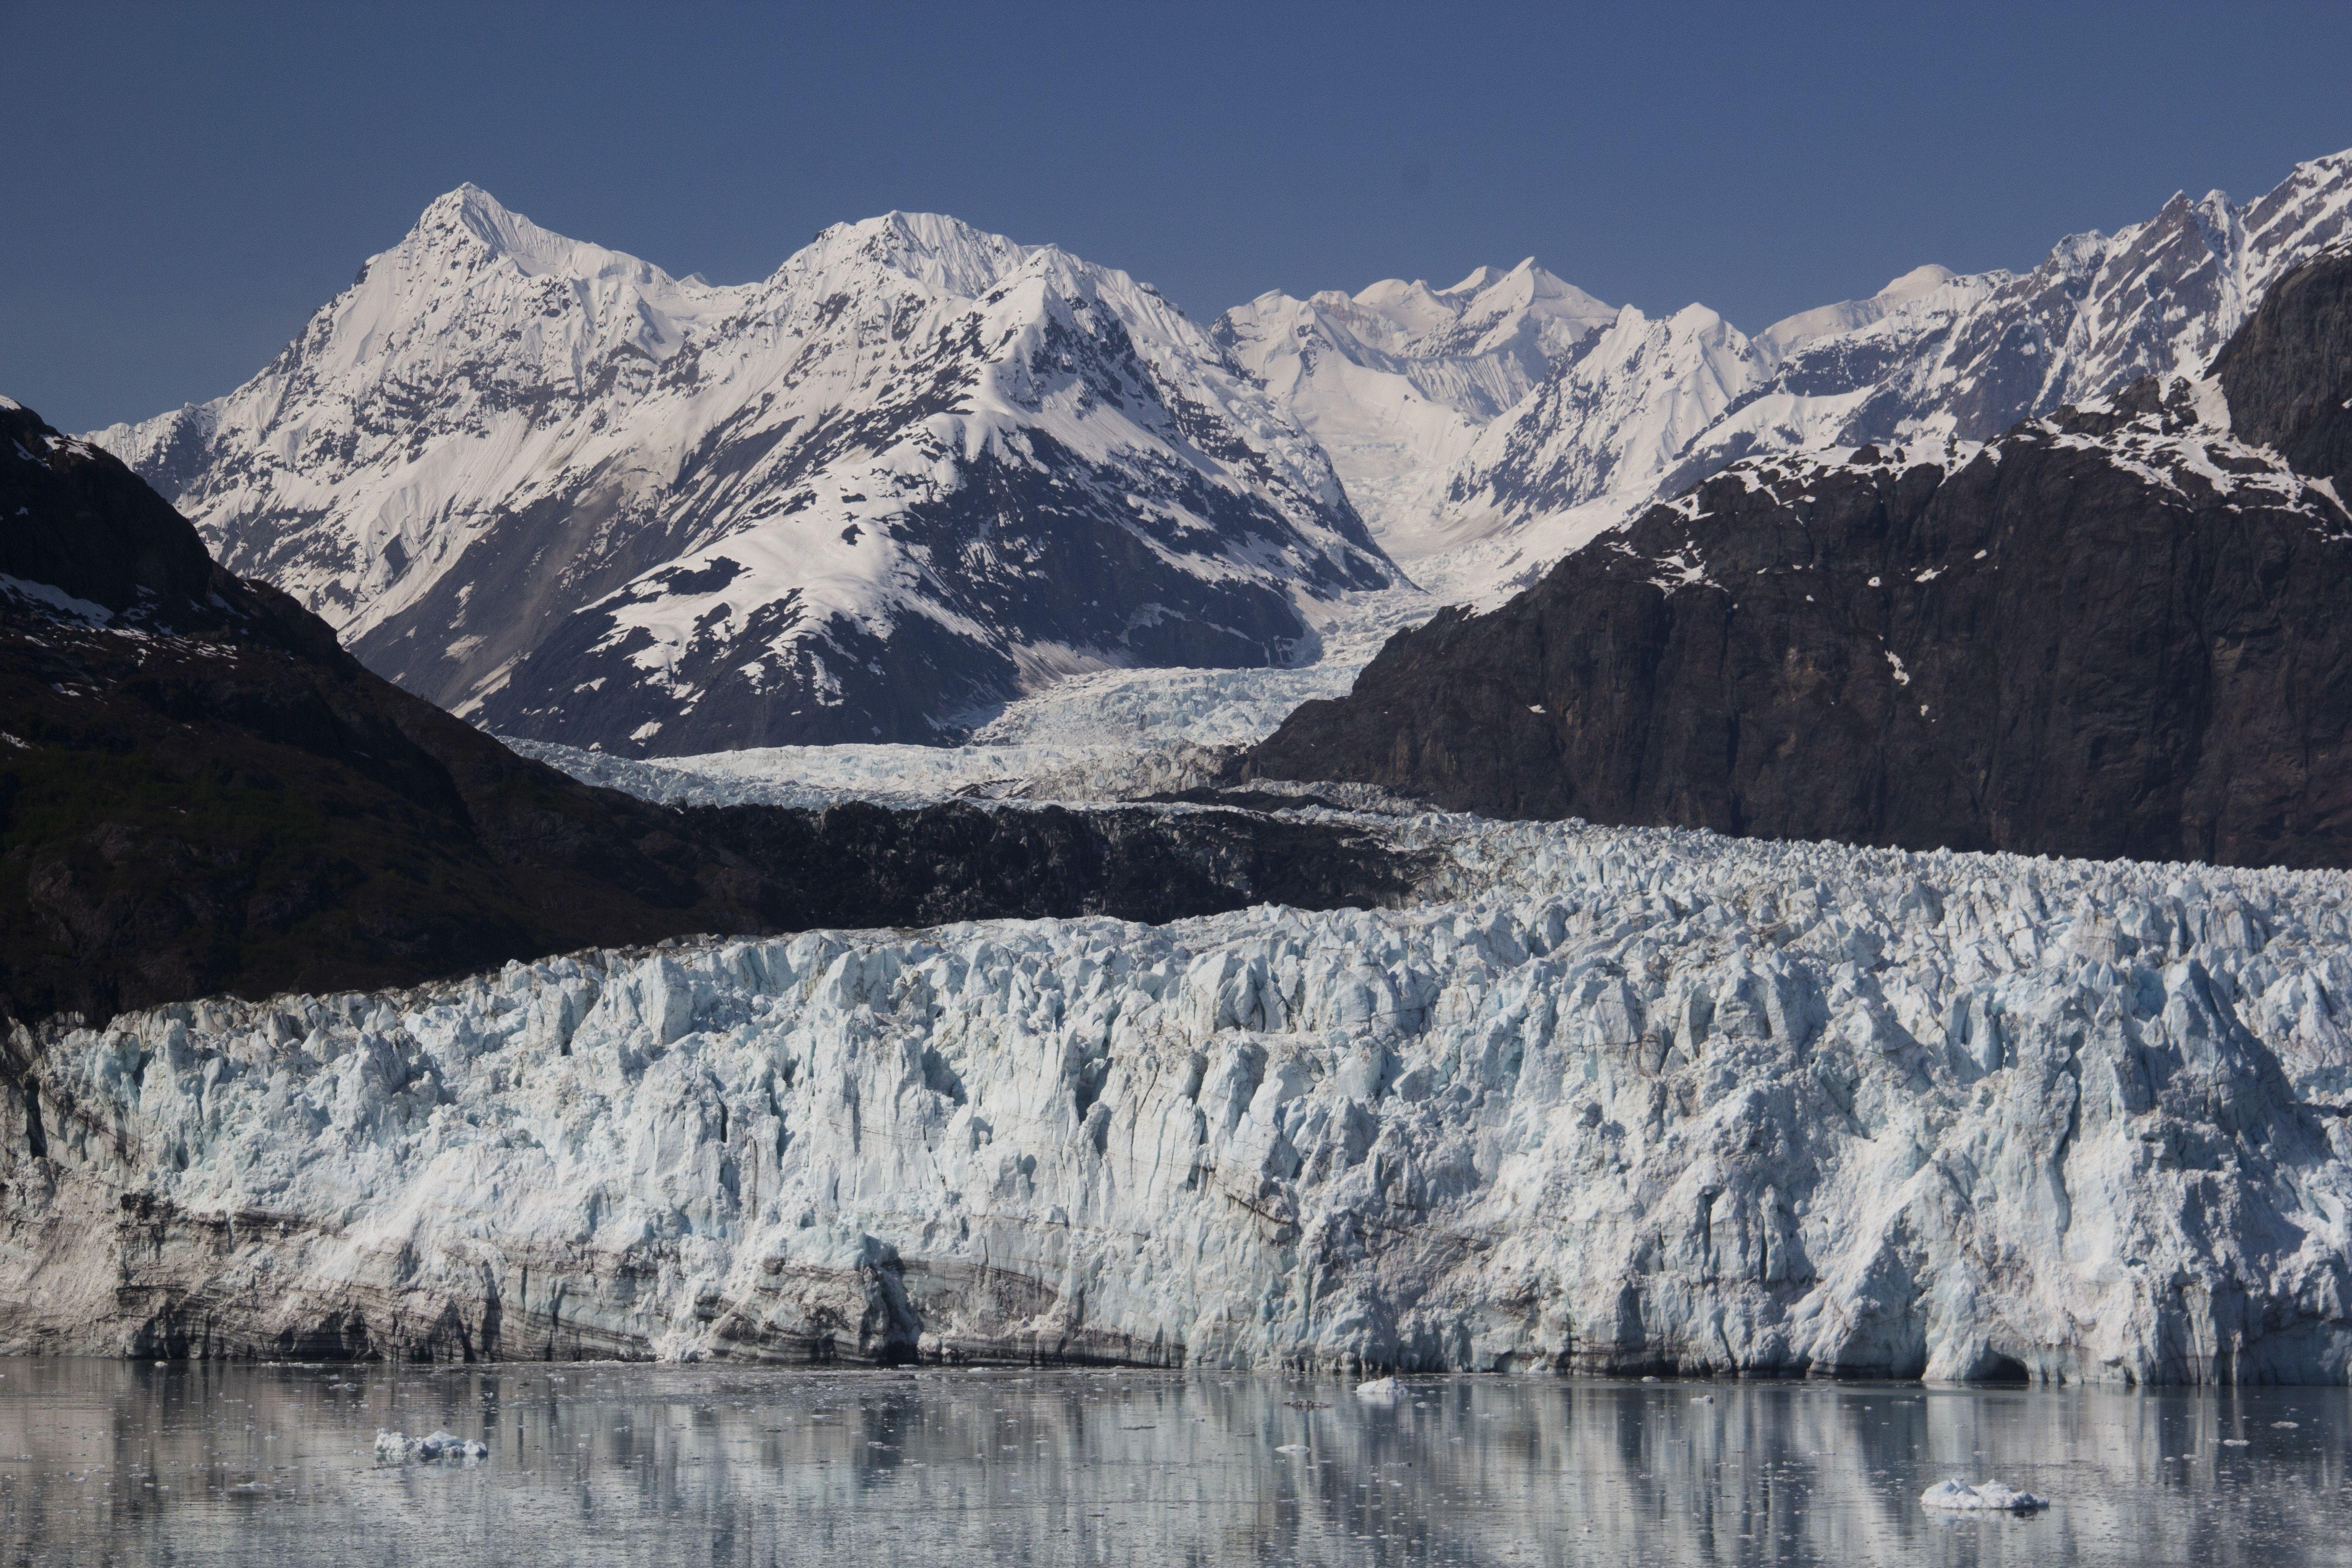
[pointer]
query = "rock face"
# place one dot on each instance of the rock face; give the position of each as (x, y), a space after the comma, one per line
(2117, 632)
(1625, 1101)
(200, 791)
(915, 470)
(2288, 374)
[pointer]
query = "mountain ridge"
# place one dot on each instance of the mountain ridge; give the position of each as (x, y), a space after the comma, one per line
(201, 791)
(935, 462)
(1959, 361)
(1396, 380)
(2115, 631)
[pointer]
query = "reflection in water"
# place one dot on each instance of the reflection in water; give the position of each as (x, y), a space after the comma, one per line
(100, 1461)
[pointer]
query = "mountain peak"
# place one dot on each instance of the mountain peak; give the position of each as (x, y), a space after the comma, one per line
(1849, 315)
(471, 211)
(941, 252)
(470, 220)
(1919, 281)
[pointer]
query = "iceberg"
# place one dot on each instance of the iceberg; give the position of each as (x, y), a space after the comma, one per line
(393, 1448)
(1992, 1496)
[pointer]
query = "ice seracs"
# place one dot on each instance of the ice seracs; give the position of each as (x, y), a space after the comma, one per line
(1620, 1100)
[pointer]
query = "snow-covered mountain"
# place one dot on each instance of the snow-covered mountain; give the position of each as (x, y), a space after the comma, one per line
(1397, 381)
(1848, 315)
(915, 471)
(1653, 405)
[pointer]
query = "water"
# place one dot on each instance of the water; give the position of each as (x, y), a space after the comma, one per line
(104, 1462)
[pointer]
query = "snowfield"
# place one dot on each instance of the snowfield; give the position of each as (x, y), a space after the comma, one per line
(1604, 1099)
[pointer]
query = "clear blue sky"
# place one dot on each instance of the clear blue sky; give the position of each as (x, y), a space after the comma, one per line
(185, 183)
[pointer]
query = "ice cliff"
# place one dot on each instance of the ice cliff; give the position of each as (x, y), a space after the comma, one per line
(1605, 1099)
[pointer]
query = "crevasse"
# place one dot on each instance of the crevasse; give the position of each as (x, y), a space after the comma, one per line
(1608, 1100)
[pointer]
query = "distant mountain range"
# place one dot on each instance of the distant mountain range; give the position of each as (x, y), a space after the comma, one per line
(922, 469)
(1398, 381)
(914, 472)
(1649, 407)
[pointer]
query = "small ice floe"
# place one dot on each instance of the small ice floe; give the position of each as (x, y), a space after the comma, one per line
(393, 1448)
(1378, 1388)
(1992, 1496)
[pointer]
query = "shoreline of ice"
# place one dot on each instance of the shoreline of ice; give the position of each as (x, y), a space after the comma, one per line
(1610, 1100)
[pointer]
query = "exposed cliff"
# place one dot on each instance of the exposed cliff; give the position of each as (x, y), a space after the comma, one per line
(2117, 632)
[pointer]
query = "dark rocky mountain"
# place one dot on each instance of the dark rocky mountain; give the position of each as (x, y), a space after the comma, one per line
(201, 791)
(2288, 374)
(2119, 631)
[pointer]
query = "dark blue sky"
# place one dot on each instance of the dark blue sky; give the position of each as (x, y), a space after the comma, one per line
(185, 183)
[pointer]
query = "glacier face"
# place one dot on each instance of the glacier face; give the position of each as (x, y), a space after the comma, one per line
(914, 472)
(1605, 1099)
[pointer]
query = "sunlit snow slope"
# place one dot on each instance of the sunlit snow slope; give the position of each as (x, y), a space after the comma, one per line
(1397, 381)
(918, 471)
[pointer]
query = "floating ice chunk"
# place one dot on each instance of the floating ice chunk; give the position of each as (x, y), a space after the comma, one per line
(393, 1448)
(1992, 1496)
(1378, 1388)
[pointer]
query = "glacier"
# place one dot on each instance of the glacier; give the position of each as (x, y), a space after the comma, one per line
(1106, 735)
(1601, 1100)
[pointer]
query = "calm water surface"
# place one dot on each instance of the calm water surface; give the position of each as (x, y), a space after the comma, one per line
(103, 1462)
